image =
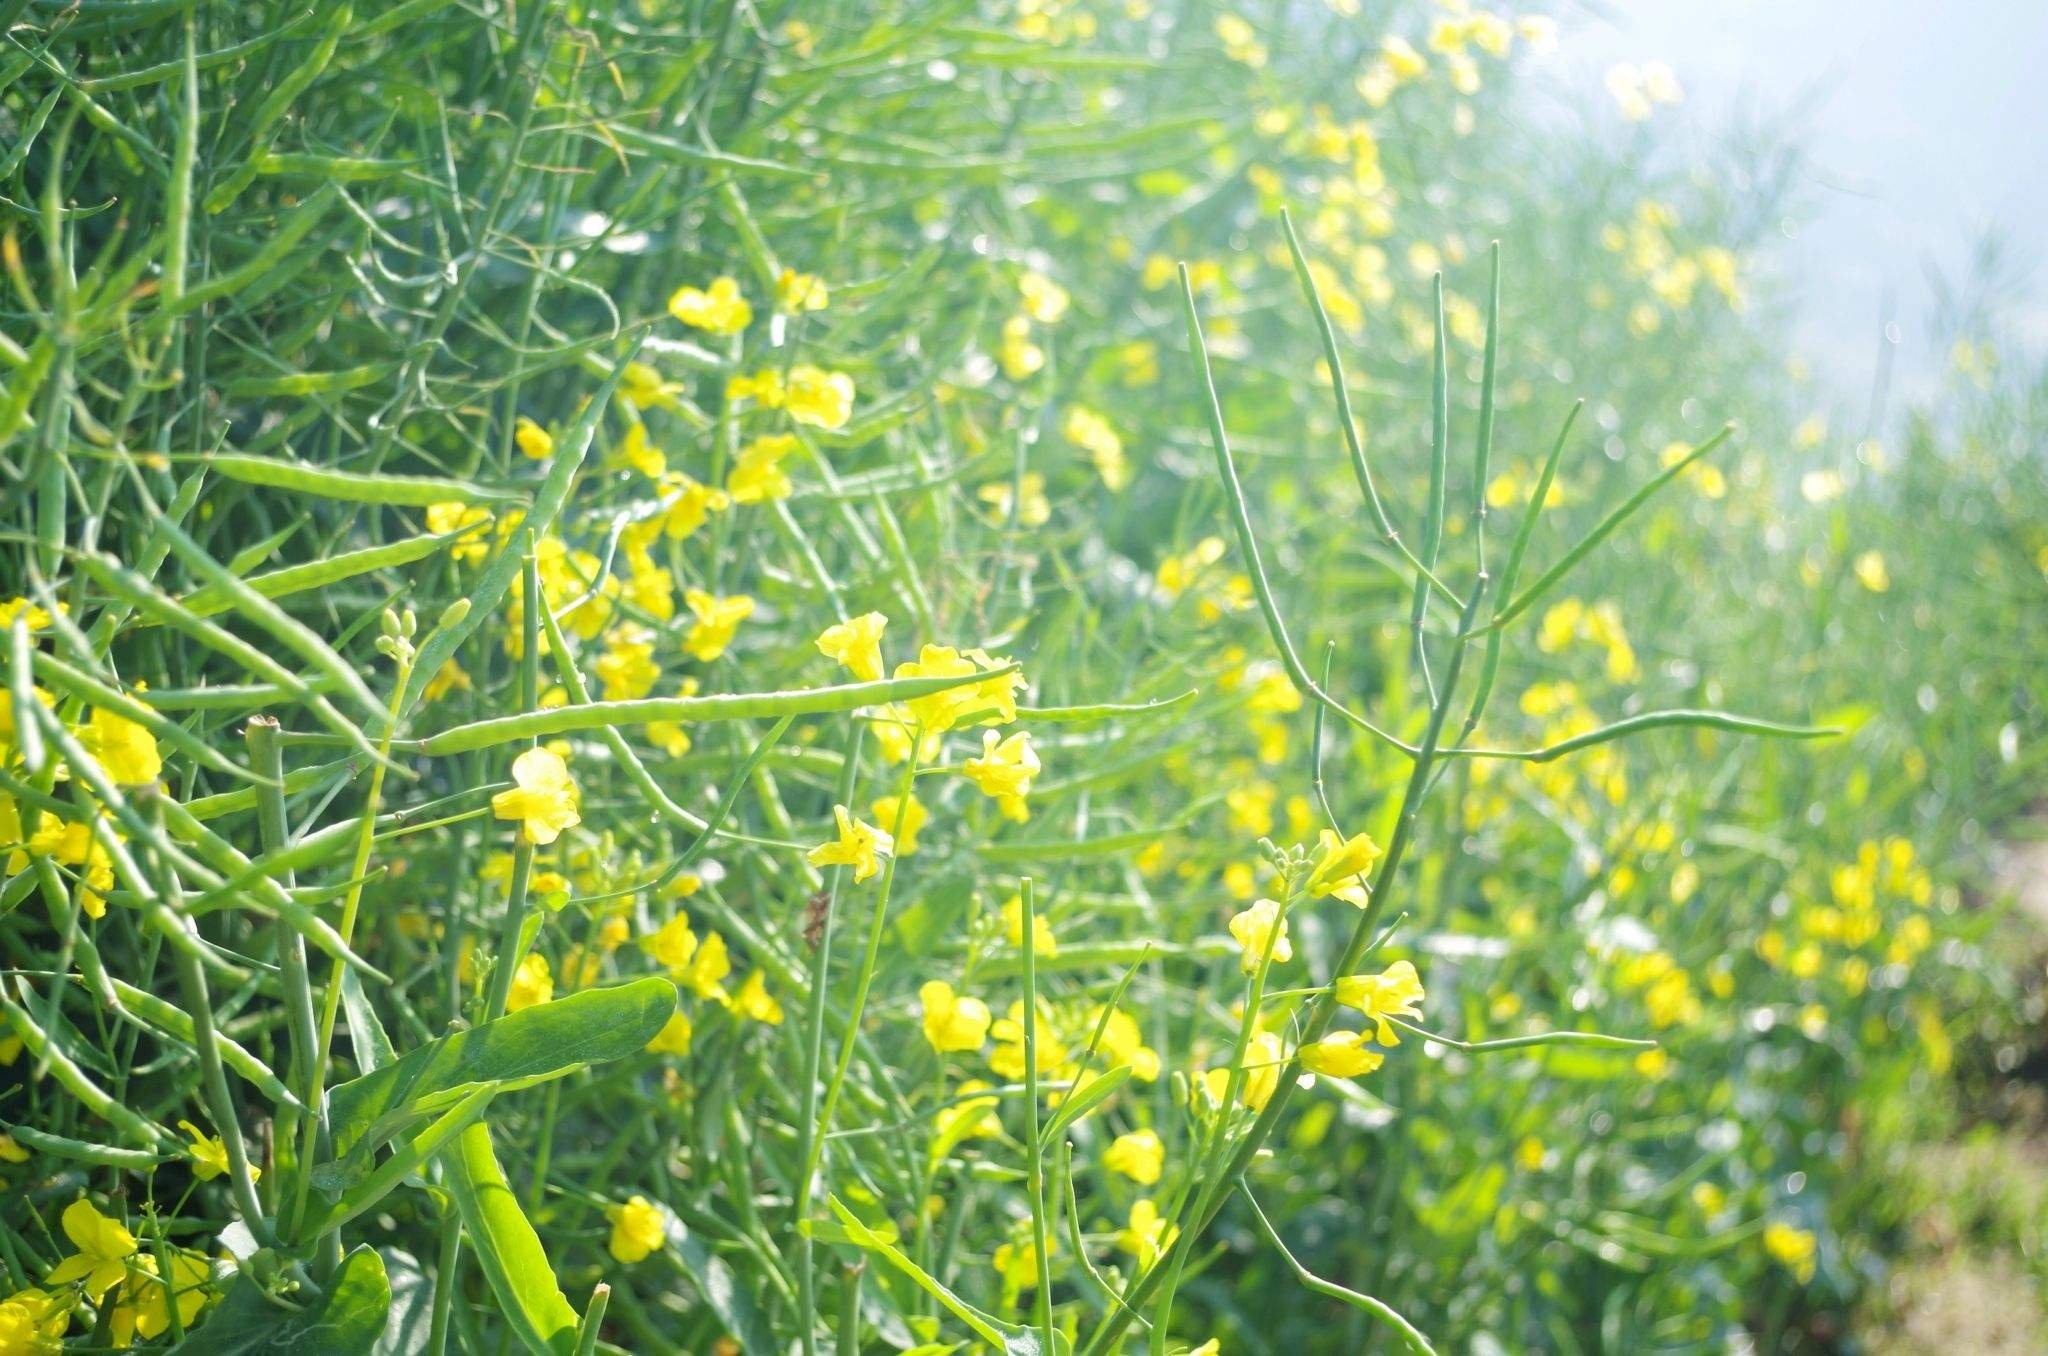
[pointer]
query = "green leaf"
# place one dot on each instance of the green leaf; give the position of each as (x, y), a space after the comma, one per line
(723, 1292)
(526, 1046)
(507, 1249)
(1094, 1093)
(411, 1318)
(348, 1320)
(1013, 1340)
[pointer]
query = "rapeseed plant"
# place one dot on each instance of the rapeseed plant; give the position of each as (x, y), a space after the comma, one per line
(889, 842)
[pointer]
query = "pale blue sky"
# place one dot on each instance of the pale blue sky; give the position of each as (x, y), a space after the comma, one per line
(1927, 124)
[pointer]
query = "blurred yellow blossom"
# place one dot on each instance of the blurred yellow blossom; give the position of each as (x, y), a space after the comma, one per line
(639, 1229)
(719, 308)
(1138, 1155)
(718, 620)
(952, 1022)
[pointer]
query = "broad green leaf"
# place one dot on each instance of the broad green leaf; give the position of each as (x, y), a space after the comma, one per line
(348, 1320)
(534, 1043)
(411, 1318)
(508, 1251)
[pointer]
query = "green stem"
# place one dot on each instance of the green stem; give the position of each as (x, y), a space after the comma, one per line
(1041, 1236)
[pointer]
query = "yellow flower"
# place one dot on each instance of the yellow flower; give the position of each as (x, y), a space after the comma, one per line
(638, 451)
(856, 643)
(687, 504)
(144, 1307)
(1341, 1054)
(763, 388)
(454, 516)
(545, 798)
(1124, 1044)
(858, 845)
(796, 292)
(1034, 509)
(533, 983)
(708, 969)
(1176, 573)
(1147, 1234)
(1342, 865)
(210, 1155)
(1138, 1155)
(1020, 357)
(1044, 300)
(1792, 1248)
(1394, 992)
(1240, 41)
(71, 844)
(1091, 433)
(1251, 808)
(627, 668)
(11, 1150)
(639, 1229)
(1017, 1262)
(1258, 928)
(125, 749)
(1007, 1058)
(652, 588)
(1043, 943)
(717, 621)
(893, 729)
(940, 710)
(32, 1321)
(104, 1247)
(535, 441)
(758, 475)
(1262, 1070)
(912, 818)
(1871, 572)
(753, 1000)
(971, 1117)
(819, 398)
(952, 1022)
(1402, 59)
(644, 389)
(718, 308)
(673, 1038)
(450, 677)
(673, 943)
(1005, 771)
(38, 618)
